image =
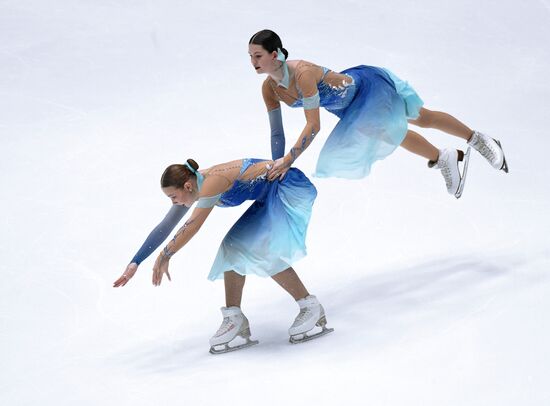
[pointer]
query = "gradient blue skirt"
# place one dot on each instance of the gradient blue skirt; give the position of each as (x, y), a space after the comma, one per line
(270, 236)
(371, 127)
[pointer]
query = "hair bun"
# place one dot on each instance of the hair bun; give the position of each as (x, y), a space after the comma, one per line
(193, 164)
(285, 52)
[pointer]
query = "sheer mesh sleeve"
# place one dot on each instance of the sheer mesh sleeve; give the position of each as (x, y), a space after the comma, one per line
(160, 233)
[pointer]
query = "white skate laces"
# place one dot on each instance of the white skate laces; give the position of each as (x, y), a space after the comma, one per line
(304, 314)
(233, 322)
(311, 315)
(449, 159)
(451, 176)
(448, 163)
(309, 308)
(234, 328)
(234, 332)
(227, 325)
(490, 149)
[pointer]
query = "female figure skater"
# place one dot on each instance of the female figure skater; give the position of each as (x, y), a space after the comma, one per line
(373, 105)
(265, 241)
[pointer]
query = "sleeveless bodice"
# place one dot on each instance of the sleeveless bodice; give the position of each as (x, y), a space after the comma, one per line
(331, 97)
(241, 190)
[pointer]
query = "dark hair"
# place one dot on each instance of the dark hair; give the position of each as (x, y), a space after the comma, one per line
(269, 40)
(176, 175)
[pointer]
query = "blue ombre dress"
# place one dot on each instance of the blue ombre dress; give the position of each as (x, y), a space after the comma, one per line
(267, 239)
(373, 112)
(270, 236)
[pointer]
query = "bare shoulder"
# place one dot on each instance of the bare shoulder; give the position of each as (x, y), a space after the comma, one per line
(306, 69)
(304, 65)
(219, 178)
(267, 85)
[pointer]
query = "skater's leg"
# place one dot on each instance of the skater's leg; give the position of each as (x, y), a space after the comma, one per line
(443, 122)
(234, 324)
(289, 281)
(234, 284)
(445, 160)
(311, 312)
(417, 144)
(311, 315)
(234, 321)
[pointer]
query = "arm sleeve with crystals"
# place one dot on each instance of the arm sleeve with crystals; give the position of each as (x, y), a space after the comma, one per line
(277, 134)
(160, 233)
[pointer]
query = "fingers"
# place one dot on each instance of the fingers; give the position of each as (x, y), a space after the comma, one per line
(158, 273)
(277, 174)
(123, 280)
(272, 174)
(157, 276)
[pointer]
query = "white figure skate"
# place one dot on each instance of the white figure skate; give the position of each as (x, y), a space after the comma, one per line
(311, 315)
(490, 149)
(234, 328)
(448, 162)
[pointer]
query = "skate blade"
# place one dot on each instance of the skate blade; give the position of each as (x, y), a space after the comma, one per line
(302, 338)
(465, 162)
(226, 348)
(504, 163)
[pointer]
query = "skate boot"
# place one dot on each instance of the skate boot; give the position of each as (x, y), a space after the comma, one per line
(448, 162)
(490, 149)
(234, 327)
(311, 315)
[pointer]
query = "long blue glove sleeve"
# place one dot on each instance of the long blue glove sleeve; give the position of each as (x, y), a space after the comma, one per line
(160, 232)
(277, 134)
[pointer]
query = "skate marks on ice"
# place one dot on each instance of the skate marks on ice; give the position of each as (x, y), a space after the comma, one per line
(370, 313)
(172, 353)
(427, 298)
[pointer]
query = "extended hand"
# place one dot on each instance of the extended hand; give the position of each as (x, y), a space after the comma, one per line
(161, 268)
(127, 275)
(279, 169)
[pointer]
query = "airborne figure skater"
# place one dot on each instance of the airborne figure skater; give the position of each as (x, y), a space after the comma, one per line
(374, 107)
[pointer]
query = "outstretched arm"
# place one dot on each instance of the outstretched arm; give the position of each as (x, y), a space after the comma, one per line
(306, 81)
(152, 242)
(160, 233)
(187, 231)
(182, 237)
(212, 188)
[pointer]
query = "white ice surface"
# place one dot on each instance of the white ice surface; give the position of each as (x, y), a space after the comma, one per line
(434, 301)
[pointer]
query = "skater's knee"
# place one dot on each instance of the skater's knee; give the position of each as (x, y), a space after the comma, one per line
(425, 119)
